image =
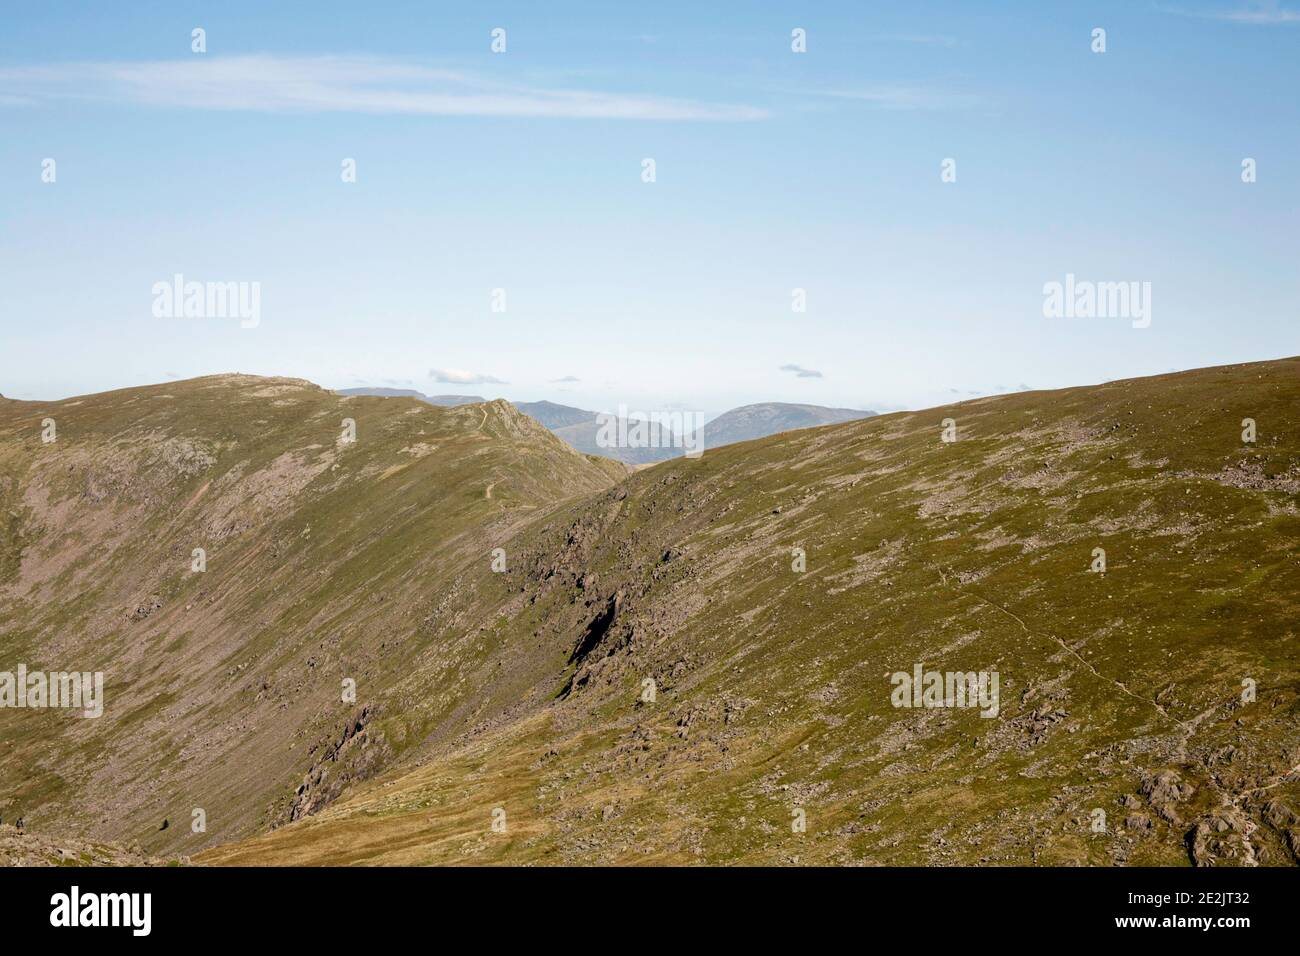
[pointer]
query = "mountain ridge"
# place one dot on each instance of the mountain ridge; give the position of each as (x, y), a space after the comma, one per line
(766, 589)
(973, 554)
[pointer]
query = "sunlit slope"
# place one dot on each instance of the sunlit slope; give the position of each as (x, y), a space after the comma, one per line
(326, 559)
(1126, 731)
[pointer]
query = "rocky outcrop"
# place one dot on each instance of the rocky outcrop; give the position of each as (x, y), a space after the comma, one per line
(358, 752)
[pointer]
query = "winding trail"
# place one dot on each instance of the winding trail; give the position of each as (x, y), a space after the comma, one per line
(1236, 801)
(1187, 728)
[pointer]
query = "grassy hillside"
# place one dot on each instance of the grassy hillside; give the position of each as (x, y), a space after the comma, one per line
(518, 697)
(1122, 736)
(325, 560)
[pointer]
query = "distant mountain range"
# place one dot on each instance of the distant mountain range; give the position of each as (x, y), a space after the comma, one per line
(447, 401)
(660, 443)
(580, 427)
(768, 418)
(555, 416)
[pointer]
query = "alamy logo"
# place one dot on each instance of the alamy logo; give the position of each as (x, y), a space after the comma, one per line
(939, 689)
(37, 689)
(103, 909)
(683, 430)
(179, 299)
(1084, 299)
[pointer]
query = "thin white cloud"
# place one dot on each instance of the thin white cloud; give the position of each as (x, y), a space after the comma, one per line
(348, 84)
(460, 376)
(1257, 14)
(891, 97)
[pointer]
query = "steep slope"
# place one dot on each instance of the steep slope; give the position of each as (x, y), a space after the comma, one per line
(1148, 714)
(326, 559)
(768, 418)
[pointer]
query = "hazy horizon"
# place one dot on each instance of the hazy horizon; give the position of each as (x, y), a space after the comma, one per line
(493, 394)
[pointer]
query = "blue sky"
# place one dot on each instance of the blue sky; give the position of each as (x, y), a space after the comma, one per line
(522, 171)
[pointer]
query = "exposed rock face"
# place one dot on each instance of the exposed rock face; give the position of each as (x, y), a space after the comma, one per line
(1164, 791)
(358, 752)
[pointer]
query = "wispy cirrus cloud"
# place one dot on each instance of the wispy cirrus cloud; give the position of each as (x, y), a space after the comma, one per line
(903, 97)
(1258, 14)
(351, 84)
(460, 376)
(801, 372)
